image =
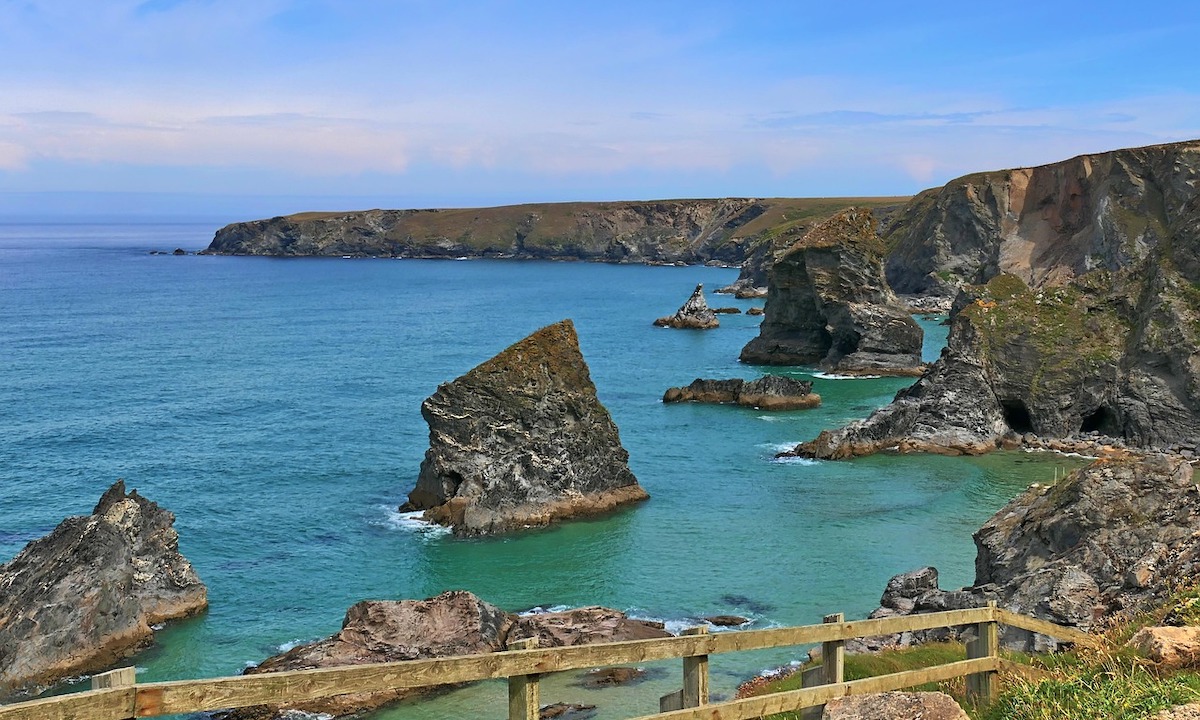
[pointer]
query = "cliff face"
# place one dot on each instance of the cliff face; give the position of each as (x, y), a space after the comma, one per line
(1046, 224)
(87, 594)
(1098, 330)
(522, 440)
(828, 303)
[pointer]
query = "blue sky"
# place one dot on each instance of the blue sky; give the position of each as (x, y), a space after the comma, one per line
(300, 103)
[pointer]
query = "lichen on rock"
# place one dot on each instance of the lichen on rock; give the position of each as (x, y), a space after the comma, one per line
(522, 440)
(89, 593)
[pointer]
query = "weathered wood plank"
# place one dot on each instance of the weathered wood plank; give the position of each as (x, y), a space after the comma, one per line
(982, 687)
(757, 707)
(114, 704)
(1028, 672)
(695, 674)
(300, 685)
(524, 694)
(121, 677)
(1059, 632)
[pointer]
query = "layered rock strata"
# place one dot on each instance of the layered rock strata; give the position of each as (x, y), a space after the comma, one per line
(770, 392)
(90, 593)
(1109, 539)
(521, 441)
(829, 305)
(453, 623)
(693, 315)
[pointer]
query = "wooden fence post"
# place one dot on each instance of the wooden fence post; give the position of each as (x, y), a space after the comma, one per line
(831, 671)
(125, 677)
(524, 698)
(695, 674)
(982, 687)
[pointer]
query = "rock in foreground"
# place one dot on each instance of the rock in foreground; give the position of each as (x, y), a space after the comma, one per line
(88, 594)
(828, 304)
(771, 392)
(694, 315)
(895, 706)
(520, 441)
(453, 623)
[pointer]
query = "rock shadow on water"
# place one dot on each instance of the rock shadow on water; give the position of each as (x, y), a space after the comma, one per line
(743, 602)
(607, 677)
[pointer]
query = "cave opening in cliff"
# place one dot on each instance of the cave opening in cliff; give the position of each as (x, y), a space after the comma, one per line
(1017, 416)
(1103, 421)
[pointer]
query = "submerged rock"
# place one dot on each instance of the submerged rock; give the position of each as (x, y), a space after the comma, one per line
(695, 314)
(89, 593)
(829, 304)
(453, 623)
(520, 441)
(770, 392)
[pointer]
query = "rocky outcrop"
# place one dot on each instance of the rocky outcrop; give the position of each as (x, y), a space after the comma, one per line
(694, 315)
(894, 706)
(1046, 224)
(770, 392)
(89, 593)
(520, 441)
(828, 304)
(1111, 538)
(453, 623)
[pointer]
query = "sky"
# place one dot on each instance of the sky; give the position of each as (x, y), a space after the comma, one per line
(274, 106)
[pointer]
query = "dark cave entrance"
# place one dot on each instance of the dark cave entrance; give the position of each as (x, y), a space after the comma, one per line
(1103, 421)
(1017, 416)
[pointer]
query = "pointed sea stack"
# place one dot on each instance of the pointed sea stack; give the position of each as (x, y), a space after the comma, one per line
(521, 441)
(88, 594)
(695, 314)
(828, 304)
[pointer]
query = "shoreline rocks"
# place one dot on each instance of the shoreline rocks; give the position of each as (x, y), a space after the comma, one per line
(522, 441)
(453, 623)
(693, 315)
(829, 305)
(770, 392)
(90, 593)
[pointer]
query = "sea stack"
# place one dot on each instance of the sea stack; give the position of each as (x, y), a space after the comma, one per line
(695, 314)
(522, 441)
(89, 593)
(828, 304)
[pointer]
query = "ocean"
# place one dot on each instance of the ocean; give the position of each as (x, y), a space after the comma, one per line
(274, 407)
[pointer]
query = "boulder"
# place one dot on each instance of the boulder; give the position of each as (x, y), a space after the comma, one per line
(894, 706)
(770, 392)
(1170, 647)
(755, 311)
(726, 620)
(695, 314)
(584, 626)
(521, 441)
(566, 711)
(727, 311)
(829, 305)
(612, 676)
(90, 593)
(1190, 711)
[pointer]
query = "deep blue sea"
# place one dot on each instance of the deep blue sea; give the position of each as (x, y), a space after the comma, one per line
(273, 406)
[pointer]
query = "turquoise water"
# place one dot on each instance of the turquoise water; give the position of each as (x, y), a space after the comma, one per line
(273, 405)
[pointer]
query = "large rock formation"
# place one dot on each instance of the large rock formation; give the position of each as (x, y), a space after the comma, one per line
(693, 315)
(1110, 538)
(453, 623)
(90, 592)
(1047, 224)
(522, 440)
(828, 304)
(770, 392)
(722, 231)
(1094, 325)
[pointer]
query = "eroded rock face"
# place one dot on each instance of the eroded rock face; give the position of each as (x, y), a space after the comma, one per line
(1110, 538)
(88, 594)
(770, 392)
(453, 623)
(694, 315)
(522, 440)
(829, 304)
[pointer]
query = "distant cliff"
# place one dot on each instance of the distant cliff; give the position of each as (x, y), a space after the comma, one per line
(661, 231)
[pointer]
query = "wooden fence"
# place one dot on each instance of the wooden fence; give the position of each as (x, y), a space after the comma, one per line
(117, 696)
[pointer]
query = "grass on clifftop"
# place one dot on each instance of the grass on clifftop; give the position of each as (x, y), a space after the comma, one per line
(1111, 682)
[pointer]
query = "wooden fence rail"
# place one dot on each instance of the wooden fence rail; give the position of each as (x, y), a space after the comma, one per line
(116, 695)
